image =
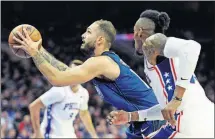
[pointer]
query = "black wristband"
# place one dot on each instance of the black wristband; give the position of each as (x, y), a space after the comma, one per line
(176, 98)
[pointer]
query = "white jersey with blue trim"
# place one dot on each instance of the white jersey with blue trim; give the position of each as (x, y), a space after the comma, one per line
(164, 76)
(195, 115)
(62, 106)
(162, 79)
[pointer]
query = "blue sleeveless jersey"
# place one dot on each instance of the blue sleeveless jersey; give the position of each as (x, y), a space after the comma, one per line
(128, 92)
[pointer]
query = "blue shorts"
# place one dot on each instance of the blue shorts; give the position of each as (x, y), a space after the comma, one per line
(143, 129)
(165, 132)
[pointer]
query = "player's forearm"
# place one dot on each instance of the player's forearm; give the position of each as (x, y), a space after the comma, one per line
(87, 121)
(52, 60)
(59, 78)
(35, 118)
(179, 91)
(50, 72)
(153, 113)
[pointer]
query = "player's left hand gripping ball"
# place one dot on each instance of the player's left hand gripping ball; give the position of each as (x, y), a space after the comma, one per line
(27, 44)
(169, 111)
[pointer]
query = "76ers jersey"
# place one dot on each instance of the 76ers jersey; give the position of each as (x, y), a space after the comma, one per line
(62, 106)
(162, 78)
(175, 70)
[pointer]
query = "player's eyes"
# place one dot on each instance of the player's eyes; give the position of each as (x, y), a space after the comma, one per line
(88, 31)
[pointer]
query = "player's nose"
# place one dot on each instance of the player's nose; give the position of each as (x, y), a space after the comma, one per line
(83, 36)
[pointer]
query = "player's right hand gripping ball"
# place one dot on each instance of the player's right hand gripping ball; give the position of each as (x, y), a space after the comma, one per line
(33, 33)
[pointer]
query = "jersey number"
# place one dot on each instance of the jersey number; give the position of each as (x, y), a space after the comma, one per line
(71, 115)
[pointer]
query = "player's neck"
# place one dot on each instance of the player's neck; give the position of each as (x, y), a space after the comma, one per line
(74, 88)
(99, 52)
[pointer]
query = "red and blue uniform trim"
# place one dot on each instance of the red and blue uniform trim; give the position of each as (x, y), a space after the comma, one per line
(49, 120)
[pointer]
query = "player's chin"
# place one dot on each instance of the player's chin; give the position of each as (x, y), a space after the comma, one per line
(84, 50)
(82, 46)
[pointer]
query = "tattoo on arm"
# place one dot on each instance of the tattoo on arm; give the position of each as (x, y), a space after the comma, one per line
(38, 59)
(53, 61)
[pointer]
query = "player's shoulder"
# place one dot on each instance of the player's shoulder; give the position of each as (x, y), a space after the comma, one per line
(174, 40)
(83, 91)
(54, 94)
(98, 63)
(59, 90)
(56, 88)
(98, 60)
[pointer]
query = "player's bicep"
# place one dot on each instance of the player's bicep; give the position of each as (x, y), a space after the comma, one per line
(187, 52)
(81, 74)
(176, 47)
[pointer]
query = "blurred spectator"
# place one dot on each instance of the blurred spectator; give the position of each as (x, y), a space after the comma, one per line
(25, 124)
(11, 134)
(23, 134)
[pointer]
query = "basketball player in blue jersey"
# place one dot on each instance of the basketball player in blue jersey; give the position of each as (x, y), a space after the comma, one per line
(169, 65)
(115, 82)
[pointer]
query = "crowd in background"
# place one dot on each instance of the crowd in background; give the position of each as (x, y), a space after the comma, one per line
(20, 86)
(21, 82)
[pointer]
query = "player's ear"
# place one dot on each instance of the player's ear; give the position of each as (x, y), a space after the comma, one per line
(100, 40)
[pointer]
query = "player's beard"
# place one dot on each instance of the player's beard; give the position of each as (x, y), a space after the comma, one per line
(139, 52)
(138, 48)
(88, 48)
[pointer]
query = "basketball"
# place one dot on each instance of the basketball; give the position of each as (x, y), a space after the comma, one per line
(33, 33)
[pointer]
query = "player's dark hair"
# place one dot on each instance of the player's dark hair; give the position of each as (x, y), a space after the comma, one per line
(108, 29)
(161, 19)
